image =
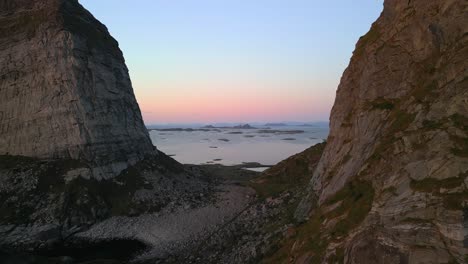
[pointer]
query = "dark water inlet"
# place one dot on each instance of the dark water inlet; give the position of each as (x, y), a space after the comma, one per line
(79, 252)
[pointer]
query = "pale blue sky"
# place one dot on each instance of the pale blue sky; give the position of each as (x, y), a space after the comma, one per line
(282, 59)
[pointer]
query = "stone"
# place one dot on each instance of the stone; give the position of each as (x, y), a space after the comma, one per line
(74, 150)
(400, 123)
(65, 89)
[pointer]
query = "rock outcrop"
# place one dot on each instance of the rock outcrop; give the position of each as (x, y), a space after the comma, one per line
(65, 90)
(73, 146)
(391, 186)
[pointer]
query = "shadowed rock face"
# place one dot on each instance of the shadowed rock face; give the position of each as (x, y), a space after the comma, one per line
(73, 147)
(65, 91)
(399, 123)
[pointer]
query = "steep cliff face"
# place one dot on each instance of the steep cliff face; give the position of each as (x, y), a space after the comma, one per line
(391, 186)
(73, 146)
(65, 89)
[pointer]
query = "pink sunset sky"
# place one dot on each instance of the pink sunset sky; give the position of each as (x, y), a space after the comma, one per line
(237, 61)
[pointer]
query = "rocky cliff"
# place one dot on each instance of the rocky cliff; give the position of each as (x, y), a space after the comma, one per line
(391, 186)
(65, 90)
(73, 146)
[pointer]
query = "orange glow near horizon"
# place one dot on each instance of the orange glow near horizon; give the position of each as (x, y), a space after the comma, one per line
(210, 103)
(235, 61)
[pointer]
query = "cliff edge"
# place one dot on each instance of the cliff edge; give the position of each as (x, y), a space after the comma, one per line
(391, 186)
(73, 146)
(65, 89)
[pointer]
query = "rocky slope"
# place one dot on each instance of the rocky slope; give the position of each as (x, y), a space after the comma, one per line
(65, 89)
(391, 186)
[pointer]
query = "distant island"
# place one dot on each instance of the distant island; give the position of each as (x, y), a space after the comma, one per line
(275, 124)
(178, 129)
(244, 126)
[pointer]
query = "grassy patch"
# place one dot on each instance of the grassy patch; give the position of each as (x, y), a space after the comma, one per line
(45, 179)
(338, 257)
(461, 143)
(413, 220)
(356, 200)
(380, 104)
(432, 185)
(23, 22)
(454, 201)
(9, 162)
(391, 189)
(451, 201)
(401, 122)
(290, 173)
(313, 237)
(371, 36)
(88, 199)
(347, 120)
(460, 121)
(346, 158)
(461, 146)
(424, 90)
(432, 125)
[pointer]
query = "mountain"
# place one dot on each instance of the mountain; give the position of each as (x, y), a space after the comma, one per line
(391, 186)
(66, 91)
(73, 146)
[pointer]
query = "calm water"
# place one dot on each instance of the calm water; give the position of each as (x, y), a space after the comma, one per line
(230, 146)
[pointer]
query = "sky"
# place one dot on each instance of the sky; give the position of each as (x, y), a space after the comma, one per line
(207, 61)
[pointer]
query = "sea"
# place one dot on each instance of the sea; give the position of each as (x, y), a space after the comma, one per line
(236, 144)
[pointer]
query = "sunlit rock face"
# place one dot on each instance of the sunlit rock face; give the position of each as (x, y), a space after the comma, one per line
(65, 91)
(400, 123)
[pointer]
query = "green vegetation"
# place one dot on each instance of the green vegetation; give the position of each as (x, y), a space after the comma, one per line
(391, 189)
(461, 146)
(10, 162)
(27, 22)
(371, 36)
(381, 104)
(347, 120)
(413, 220)
(356, 201)
(46, 178)
(115, 194)
(338, 257)
(432, 125)
(88, 198)
(313, 237)
(291, 173)
(452, 201)
(424, 90)
(461, 143)
(460, 121)
(432, 185)
(401, 121)
(346, 158)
